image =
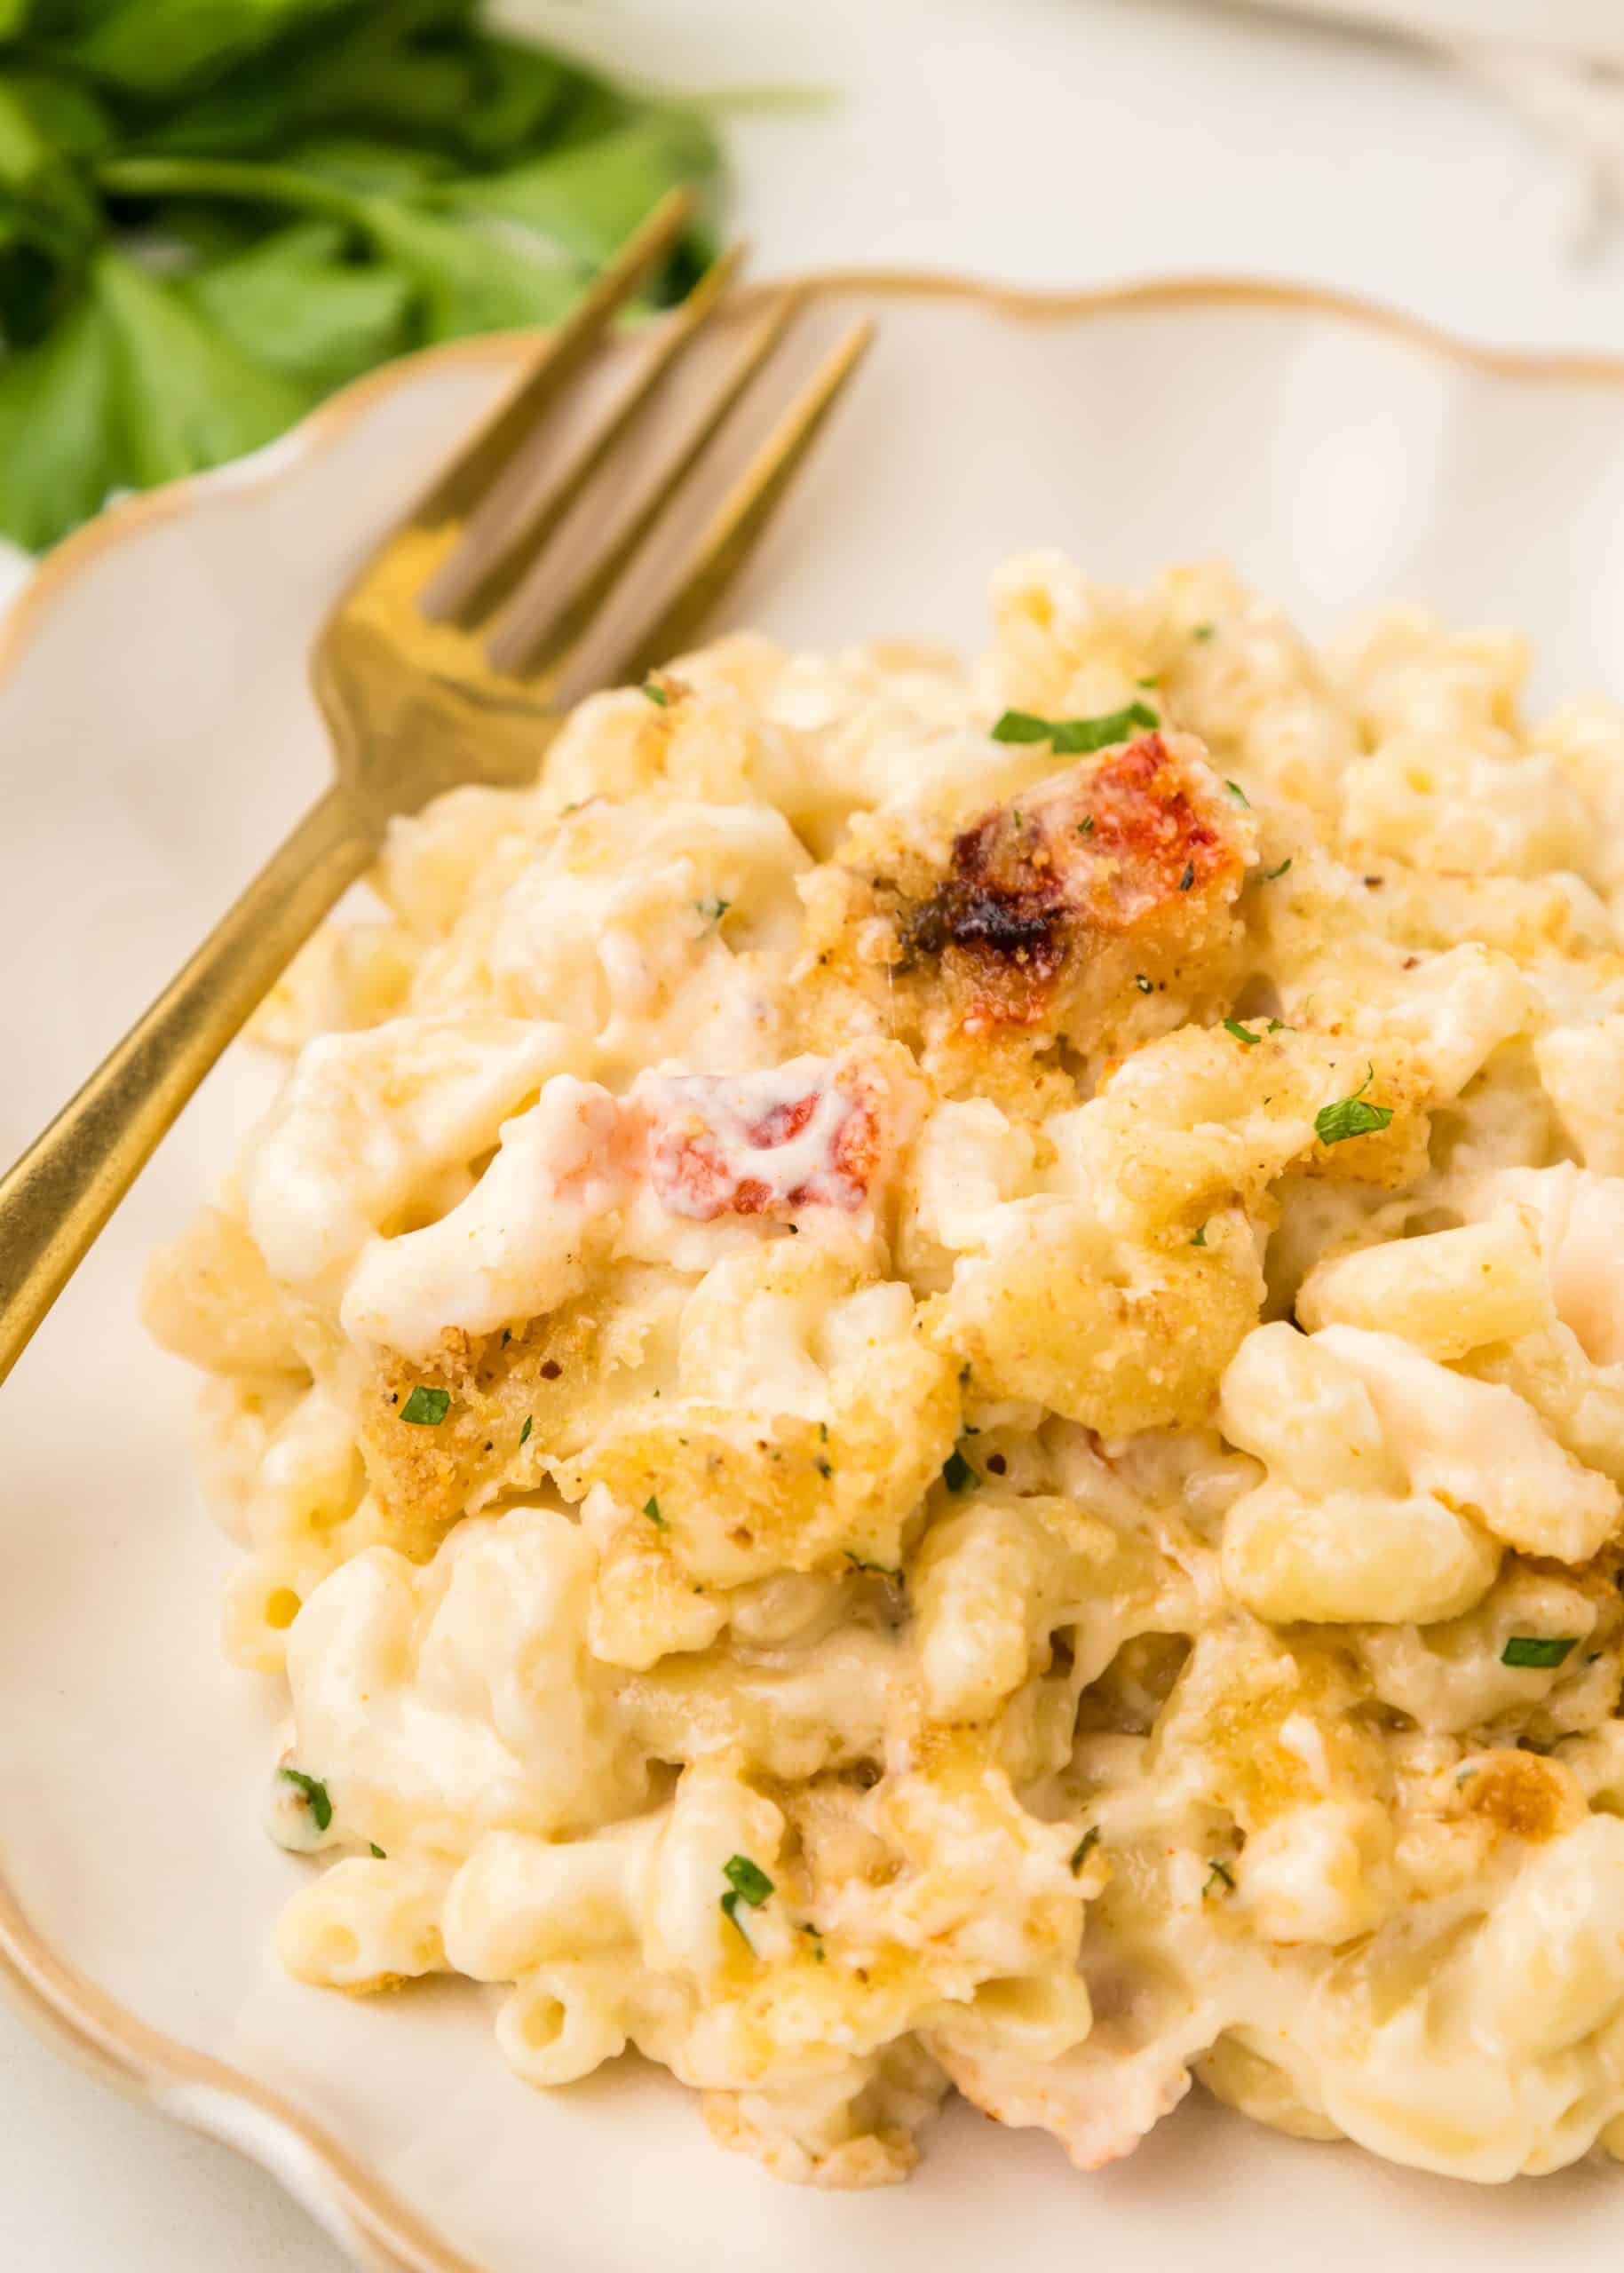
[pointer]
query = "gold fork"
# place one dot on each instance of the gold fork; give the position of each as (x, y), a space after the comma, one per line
(441, 664)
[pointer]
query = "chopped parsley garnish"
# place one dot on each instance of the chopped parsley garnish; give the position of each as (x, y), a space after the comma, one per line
(713, 910)
(822, 1466)
(823, 1432)
(1241, 1033)
(1188, 878)
(426, 1408)
(1352, 1116)
(377, 1850)
(656, 694)
(1239, 794)
(1278, 1025)
(1203, 631)
(747, 1882)
(1152, 681)
(957, 1473)
(651, 1509)
(1085, 827)
(1218, 1873)
(1272, 876)
(1200, 1238)
(1145, 986)
(1084, 1848)
(315, 1795)
(524, 1434)
(879, 1570)
(1539, 1649)
(1074, 737)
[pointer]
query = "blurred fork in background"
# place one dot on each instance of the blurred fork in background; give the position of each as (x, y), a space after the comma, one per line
(551, 557)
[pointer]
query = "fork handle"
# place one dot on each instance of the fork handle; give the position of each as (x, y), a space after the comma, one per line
(55, 1200)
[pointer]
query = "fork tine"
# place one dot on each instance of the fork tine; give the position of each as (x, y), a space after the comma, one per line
(540, 625)
(470, 474)
(508, 529)
(742, 519)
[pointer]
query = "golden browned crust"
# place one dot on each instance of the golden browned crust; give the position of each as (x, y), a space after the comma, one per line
(1060, 927)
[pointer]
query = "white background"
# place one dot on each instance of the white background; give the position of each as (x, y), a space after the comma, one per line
(1042, 141)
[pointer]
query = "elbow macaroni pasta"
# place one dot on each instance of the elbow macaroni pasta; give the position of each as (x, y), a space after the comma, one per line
(922, 1380)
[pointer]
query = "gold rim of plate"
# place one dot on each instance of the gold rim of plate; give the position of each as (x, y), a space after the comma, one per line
(64, 2005)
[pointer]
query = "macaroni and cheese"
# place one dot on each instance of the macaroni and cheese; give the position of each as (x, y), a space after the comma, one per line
(923, 1379)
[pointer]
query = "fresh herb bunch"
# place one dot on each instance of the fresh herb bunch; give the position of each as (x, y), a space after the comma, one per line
(213, 212)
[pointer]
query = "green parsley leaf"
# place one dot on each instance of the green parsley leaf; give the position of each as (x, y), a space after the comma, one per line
(315, 1795)
(163, 47)
(426, 1408)
(1199, 1238)
(183, 397)
(1143, 984)
(651, 1509)
(1152, 681)
(1203, 631)
(1270, 876)
(59, 451)
(297, 304)
(377, 1850)
(524, 1434)
(748, 1880)
(1084, 1848)
(1022, 726)
(713, 910)
(822, 1466)
(1074, 737)
(1188, 878)
(1238, 793)
(957, 1473)
(1537, 1649)
(1241, 1033)
(1085, 827)
(656, 694)
(1218, 1873)
(1334, 1124)
(584, 200)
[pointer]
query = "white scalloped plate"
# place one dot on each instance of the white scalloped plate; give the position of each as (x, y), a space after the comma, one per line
(155, 738)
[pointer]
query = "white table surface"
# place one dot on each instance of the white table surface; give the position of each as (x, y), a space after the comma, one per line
(1042, 141)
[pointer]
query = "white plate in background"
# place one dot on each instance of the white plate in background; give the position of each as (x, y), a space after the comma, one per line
(155, 738)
